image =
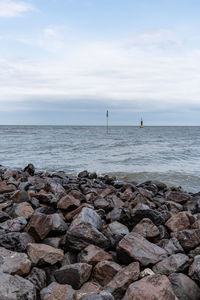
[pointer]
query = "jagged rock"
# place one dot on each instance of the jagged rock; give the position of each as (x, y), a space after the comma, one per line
(135, 247)
(88, 289)
(75, 274)
(20, 196)
(69, 258)
(93, 254)
(184, 287)
(156, 217)
(146, 228)
(172, 264)
(30, 169)
(52, 241)
(14, 225)
(181, 221)
(38, 278)
(4, 216)
(41, 254)
(174, 207)
(14, 262)
(87, 216)
(194, 270)
(172, 246)
(15, 241)
(15, 287)
(124, 277)
(177, 196)
(155, 287)
(39, 226)
(68, 203)
(58, 224)
(23, 210)
(58, 292)
(6, 188)
(104, 272)
(115, 231)
(189, 239)
(194, 252)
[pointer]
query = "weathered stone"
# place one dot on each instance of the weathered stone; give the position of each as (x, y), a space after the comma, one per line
(14, 262)
(82, 235)
(194, 252)
(30, 169)
(174, 207)
(38, 278)
(146, 228)
(71, 215)
(39, 226)
(194, 270)
(58, 224)
(93, 254)
(15, 241)
(155, 287)
(189, 239)
(58, 292)
(172, 264)
(181, 221)
(172, 246)
(115, 231)
(87, 216)
(6, 188)
(135, 247)
(184, 287)
(88, 289)
(156, 217)
(177, 196)
(23, 210)
(16, 288)
(14, 225)
(68, 203)
(104, 272)
(75, 274)
(20, 196)
(102, 204)
(124, 277)
(41, 254)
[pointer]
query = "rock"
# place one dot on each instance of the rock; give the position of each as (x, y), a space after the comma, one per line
(175, 263)
(69, 258)
(58, 224)
(20, 196)
(39, 226)
(181, 221)
(194, 252)
(41, 254)
(174, 207)
(155, 287)
(146, 272)
(115, 231)
(15, 241)
(82, 235)
(87, 216)
(93, 254)
(68, 203)
(88, 289)
(74, 275)
(4, 188)
(16, 288)
(124, 277)
(23, 210)
(38, 278)
(177, 196)
(104, 272)
(135, 247)
(146, 228)
(184, 287)
(172, 246)
(194, 270)
(103, 295)
(189, 239)
(155, 216)
(58, 292)
(14, 262)
(52, 241)
(30, 169)
(14, 225)
(101, 203)
(4, 216)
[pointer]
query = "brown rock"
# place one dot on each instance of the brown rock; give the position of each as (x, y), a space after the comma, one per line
(172, 264)
(23, 210)
(69, 216)
(41, 254)
(58, 292)
(135, 247)
(68, 203)
(39, 226)
(93, 254)
(75, 274)
(146, 228)
(88, 289)
(104, 272)
(189, 239)
(180, 221)
(155, 287)
(20, 196)
(174, 207)
(120, 282)
(177, 196)
(4, 188)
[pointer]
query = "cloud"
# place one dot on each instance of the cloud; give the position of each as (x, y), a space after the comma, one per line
(9, 8)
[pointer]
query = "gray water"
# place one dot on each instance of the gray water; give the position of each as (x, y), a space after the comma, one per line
(168, 154)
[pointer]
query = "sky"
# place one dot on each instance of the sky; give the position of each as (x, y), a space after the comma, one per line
(66, 62)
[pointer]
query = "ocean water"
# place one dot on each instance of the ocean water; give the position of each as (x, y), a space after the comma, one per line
(168, 154)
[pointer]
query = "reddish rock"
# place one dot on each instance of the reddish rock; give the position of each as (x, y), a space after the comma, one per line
(146, 228)
(104, 272)
(68, 203)
(172, 264)
(69, 216)
(135, 247)
(41, 254)
(177, 196)
(88, 289)
(189, 239)
(194, 270)
(75, 274)
(174, 207)
(23, 210)
(20, 196)
(120, 282)
(155, 287)
(93, 254)
(181, 221)
(6, 188)
(39, 226)
(58, 292)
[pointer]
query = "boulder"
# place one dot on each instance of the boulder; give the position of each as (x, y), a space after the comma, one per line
(6, 188)
(39, 226)
(58, 292)
(115, 231)
(104, 272)
(38, 278)
(172, 264)
(155, 287)
(88, 289)
(13, 225)
(93, 254)
(189, 239)
(68, 203)
(58, 224)
(135, 247)
(15, 241)
(180, 221)
(23, 210)
(155, 216)
(172, 246)
(20, 196)
(41, 254)
(87, 216)
(194, 270)
(30, 169)
(74, 274)
(177, 196)
(146, 228)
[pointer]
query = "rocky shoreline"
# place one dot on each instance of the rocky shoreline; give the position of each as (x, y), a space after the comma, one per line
(94, 237)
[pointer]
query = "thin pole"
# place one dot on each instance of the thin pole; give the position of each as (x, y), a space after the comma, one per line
(107, 121)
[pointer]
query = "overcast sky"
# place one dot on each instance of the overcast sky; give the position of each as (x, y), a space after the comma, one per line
(68, 61)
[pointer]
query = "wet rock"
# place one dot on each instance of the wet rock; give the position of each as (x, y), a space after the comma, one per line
(30, 169)
(14, 225)
(124, 277)
(20, 196)
(58, 292)
(38, 278)
(74, 275)
(172, 264)
(104, 272)
(23, 210)
(14, 262)
(15, 287)
(88, 289)
(146, 228)
(115, 231)
(172, 246)
(184, 287)
(194, 270)
(135, 247)
(68, 203)
(41, 254)
(177, 196)
(189, 239)
(4, 188)
(155, 287)
(93, 254)
(87, 216)
(180, 221)
(15, 241)
(39, 226)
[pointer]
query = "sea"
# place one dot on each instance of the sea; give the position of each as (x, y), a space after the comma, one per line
(168, 154)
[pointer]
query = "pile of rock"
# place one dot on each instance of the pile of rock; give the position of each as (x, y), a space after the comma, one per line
(93, 237)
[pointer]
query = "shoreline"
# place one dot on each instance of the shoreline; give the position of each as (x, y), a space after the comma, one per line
(95, 237)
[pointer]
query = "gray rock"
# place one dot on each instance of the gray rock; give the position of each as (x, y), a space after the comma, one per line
(87, 216)
(115, 231)
(13, 225)
(172, 264)
(58, 292)
(194, 270)
(15, 241)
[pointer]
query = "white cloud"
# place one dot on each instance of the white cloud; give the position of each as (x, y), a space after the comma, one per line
(9, 8)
